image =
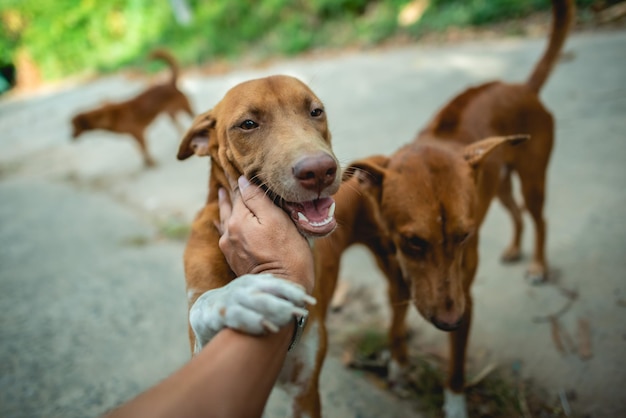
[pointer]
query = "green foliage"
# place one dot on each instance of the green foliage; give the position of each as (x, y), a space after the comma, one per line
(328, 9)
(478, 12)
(65, 37)
(442, 14)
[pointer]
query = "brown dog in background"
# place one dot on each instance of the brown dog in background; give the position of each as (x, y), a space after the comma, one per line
(274, 132)
(419, 211)
(135, 115)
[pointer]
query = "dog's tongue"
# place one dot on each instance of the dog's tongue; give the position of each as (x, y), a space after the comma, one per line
(315, 217)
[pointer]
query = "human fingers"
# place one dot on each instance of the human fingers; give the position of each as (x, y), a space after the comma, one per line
(273, 308)
(247, 320)
(283, 288)
(255, 199)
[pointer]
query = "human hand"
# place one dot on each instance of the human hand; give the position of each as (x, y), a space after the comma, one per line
(259, 237)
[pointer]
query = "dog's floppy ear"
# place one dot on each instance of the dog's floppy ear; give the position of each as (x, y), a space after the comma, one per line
(475, 153)
(196, 140)
(369, 171)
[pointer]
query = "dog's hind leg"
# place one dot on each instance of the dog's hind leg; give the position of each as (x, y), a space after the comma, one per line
(181, 106)
(505, 195)
(186, 107)
(533, 189)
(147, 158)
(176, 122)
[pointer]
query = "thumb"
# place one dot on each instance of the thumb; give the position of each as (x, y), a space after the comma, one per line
(254, 197)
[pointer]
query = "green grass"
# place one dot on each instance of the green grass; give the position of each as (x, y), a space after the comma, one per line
(174, 229)
(168, 229)
(66, 37)
(136, 241)
(500, 392)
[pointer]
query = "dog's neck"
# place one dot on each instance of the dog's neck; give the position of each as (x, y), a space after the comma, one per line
(221, 176)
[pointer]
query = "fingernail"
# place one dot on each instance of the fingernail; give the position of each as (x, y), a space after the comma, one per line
(221, 194)
(300, 311)
(243, 183)
(269, 326)
(310, 300)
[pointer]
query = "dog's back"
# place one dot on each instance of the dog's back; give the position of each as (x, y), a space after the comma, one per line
(499, 108)
(133, 116)
(162, 97)
(464, 120)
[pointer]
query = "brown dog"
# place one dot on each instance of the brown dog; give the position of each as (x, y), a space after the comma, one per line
(274, 132)
(420, 210)
(135, 115)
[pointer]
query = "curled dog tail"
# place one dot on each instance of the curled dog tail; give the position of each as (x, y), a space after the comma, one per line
(168, 58)
(562, 17)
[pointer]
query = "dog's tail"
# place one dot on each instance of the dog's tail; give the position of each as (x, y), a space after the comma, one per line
(168, 58)
(562, 17)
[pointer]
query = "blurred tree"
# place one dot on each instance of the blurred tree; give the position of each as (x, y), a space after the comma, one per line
(65, 37)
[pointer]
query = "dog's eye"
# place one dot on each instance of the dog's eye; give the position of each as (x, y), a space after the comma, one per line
(316, 112)
(415, 246)
(248, 124)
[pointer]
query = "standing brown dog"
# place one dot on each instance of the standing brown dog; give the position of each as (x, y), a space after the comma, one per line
(420, 210)
(274, 132)
(135, 115)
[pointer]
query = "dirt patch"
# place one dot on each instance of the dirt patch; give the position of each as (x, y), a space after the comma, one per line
(358, 336)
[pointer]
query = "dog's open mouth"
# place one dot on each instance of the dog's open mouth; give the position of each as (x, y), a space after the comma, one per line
(315, 217)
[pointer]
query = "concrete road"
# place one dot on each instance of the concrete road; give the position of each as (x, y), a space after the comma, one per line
(92, 290)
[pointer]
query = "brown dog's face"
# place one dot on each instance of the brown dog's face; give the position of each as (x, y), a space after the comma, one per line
(273, 131)
(425, 196)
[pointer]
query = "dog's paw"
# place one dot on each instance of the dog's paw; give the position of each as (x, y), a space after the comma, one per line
(261, 303)
(254, 304)
(397, 379)
(454, 405)
(511, 255)
(537, 274)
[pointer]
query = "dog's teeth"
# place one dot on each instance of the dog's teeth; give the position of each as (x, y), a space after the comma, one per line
(331, 211)
(324, 222)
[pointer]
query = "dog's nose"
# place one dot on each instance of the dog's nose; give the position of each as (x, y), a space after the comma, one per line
(447, 322)
(316, 172)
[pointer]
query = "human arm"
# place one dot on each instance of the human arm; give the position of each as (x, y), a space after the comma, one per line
(233, 375)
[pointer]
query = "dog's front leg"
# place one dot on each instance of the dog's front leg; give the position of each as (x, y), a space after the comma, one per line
(301, 372)
(399, 299)
(454, 398)
(253, 304)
